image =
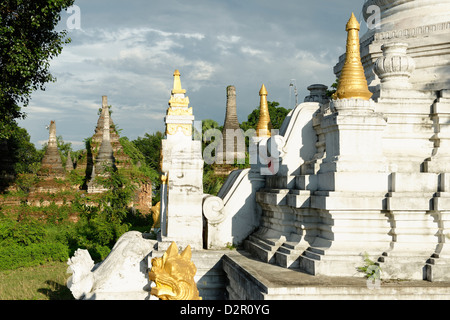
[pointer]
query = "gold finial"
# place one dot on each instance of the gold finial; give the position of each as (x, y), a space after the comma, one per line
(352, 23)
(178, 106)
(264, 125)
(173, 275)
(352, 82)
(177, 83)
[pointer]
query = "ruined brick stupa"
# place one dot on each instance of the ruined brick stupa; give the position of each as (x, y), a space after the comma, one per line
(121, 159)
(231, 147)
(51, 166)
(104, 159)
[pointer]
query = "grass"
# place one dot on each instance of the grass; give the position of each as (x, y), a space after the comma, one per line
(45, 282)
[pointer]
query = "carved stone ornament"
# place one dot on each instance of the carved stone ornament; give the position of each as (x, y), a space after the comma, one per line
(395, 67)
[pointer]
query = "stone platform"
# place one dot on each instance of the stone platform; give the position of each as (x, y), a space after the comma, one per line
(251, 279)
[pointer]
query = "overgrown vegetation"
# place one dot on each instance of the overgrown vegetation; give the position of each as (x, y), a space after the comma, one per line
(34, 235)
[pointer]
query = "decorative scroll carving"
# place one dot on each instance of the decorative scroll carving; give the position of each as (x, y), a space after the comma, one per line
(213, 209)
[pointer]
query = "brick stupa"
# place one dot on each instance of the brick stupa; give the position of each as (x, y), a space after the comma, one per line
(122, 160)
(51, 166)
(232, 145)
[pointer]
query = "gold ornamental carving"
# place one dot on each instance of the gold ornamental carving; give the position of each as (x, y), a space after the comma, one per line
(352, 82)
(173, 275)
(179, 112)
(172, 129)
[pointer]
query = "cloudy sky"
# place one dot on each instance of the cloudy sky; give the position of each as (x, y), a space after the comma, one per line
(128, 50)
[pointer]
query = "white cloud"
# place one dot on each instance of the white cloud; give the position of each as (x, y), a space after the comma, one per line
(228, 38)
(39, 109)
(251, 51)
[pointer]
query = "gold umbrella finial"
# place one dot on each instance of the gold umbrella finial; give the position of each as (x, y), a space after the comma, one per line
(352, 82)
(264, 125)
(177, 83)
(352, 23)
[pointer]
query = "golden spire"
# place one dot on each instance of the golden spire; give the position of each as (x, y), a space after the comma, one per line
(264, 125)
(178, 106)
(177, 83)
(352, 82)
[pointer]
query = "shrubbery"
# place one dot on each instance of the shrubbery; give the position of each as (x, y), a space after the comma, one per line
(16, 256)
(27, 243)
(102, 219)
(32, 235)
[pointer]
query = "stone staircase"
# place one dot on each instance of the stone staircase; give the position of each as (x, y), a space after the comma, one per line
(210, 277)
(276, 246)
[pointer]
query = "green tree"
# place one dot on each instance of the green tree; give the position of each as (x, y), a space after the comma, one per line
(207, 136)
(150, 147)
(103, 219)
(27, 43)
(63, 148)
(24, 155)
(333, 89)
(277, 115)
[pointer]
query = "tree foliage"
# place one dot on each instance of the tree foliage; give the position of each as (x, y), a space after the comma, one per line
(150, 147)
(27, 43)
(24, 155)
(333, 88)
(277, 115)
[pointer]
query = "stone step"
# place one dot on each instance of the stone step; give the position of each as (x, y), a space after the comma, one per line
(280, 182)
(312, 255)
(287, 260)
(268, 243)
(272, 196)
(260, 252)
(317, 250)
(288, 254)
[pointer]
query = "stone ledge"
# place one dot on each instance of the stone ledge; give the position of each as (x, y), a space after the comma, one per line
(262, 281)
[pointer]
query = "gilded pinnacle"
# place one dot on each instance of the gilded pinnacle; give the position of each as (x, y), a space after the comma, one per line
(352, 82)
(352, 23)
(263, 91)
(177, 83)
(264, 125)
